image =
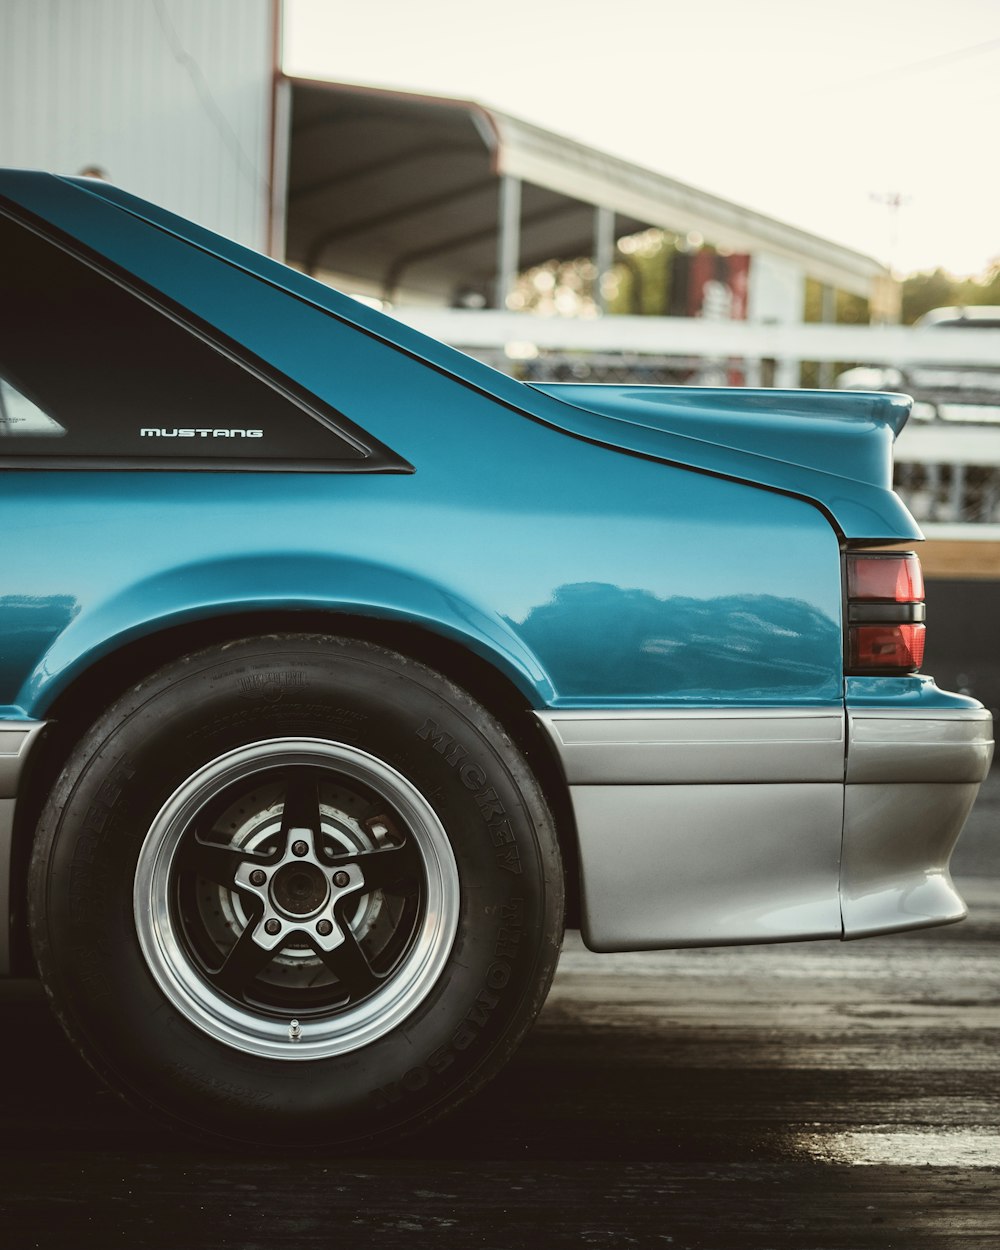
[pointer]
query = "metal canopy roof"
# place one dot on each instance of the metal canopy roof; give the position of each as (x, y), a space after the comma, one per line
(400, 192)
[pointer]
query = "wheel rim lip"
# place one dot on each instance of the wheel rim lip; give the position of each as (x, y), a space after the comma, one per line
(351, 1028)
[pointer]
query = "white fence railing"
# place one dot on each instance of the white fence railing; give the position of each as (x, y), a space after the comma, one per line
(694, 337)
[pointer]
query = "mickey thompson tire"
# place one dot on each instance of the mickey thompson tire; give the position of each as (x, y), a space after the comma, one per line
(296, 889)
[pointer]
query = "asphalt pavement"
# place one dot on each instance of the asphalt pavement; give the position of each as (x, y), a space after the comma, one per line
(818, 1096)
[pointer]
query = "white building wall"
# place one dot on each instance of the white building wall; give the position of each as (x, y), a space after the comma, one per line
(777, 296)
(777, 290)
(172, 98)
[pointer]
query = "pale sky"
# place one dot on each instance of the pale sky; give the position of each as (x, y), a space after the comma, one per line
(798, 109)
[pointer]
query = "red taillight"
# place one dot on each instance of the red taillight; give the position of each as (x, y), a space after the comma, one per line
(878, 647)
(892, 578)
(885, 612)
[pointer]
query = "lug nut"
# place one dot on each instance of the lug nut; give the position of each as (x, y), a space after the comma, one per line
(258, 877)
(272, 927)
(340, 879)
(300, 848)
(324, 928)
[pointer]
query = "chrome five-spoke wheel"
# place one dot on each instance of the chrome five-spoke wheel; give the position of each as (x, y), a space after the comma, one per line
(296, 898)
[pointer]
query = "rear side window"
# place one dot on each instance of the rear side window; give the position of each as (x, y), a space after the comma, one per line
(19, 417)
(92, 370)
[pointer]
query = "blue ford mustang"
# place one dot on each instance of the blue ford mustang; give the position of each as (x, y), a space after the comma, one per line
(336, 668)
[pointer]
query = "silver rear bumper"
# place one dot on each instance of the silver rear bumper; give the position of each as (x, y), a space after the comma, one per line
(910, 783)
(702, 827)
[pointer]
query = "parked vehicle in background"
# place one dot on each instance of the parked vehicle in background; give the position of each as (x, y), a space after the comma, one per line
(335, 667)
(941, 392)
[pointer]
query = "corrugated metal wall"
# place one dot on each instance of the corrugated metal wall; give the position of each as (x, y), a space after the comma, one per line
(171, 97)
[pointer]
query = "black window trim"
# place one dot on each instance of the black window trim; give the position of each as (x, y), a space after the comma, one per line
(375, 456)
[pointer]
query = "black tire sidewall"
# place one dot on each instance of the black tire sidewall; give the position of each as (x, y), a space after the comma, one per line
(197, 709)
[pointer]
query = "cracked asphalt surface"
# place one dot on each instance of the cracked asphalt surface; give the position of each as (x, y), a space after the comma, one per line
(820, 1096)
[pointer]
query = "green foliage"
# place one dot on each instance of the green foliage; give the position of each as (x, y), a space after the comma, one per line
(848, 310)
(640, 284)
(924, 291)
(557, 287)
(940, 289)
(851, 310)
(641, 280)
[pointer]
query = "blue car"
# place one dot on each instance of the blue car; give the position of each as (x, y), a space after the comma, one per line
(339, 671)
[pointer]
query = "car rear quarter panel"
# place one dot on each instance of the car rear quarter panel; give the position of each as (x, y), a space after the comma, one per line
(589, 577)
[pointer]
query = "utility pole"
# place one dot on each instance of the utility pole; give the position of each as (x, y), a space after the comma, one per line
(893, 201)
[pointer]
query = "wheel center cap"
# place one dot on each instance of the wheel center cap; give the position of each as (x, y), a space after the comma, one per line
(299, 889)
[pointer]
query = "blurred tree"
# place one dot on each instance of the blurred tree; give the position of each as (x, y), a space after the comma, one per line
(982, 290)
(852, 310)
(924, 291)
(848, 310)
(557, 288)
(641, 284)
(642, 273)
(940, 289)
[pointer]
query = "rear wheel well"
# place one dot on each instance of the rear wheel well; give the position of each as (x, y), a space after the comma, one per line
(82, 702)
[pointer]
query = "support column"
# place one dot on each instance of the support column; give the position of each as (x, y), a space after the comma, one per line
(828, 316)
(956, 500)
(277, 206)
(604, 250)
(777, 296)
(508, 239)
